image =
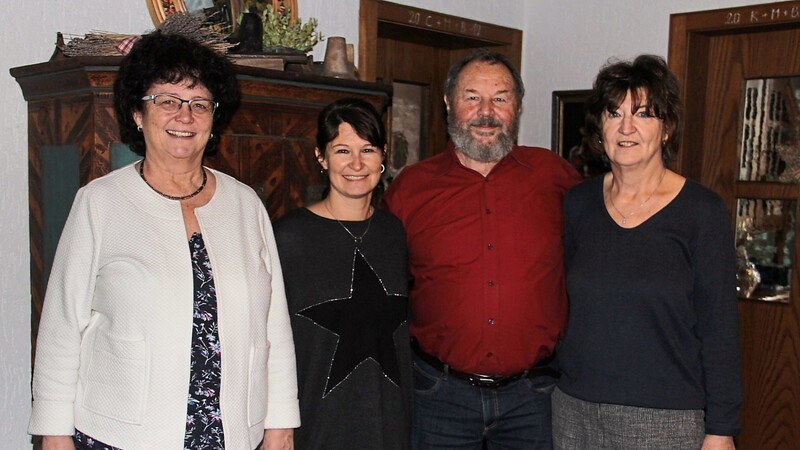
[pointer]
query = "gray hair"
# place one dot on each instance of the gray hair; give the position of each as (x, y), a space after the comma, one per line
(489, 57)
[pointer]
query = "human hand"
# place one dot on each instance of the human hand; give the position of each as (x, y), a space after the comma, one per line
(714, 442)
(57, 443)
(278, 439)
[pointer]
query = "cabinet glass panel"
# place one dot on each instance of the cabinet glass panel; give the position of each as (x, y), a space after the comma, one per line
(765, 232)
(770, 134)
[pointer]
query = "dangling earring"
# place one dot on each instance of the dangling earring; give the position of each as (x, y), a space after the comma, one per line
(383, 168)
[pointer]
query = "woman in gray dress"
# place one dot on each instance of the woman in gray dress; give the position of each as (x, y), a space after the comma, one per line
(346, 280)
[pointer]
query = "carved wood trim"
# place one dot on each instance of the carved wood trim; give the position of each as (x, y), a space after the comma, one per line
(380, 18)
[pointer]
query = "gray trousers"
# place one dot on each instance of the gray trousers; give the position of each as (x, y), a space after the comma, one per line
(581, 425)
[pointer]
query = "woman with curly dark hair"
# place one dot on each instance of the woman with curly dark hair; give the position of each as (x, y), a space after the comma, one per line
(165, 322)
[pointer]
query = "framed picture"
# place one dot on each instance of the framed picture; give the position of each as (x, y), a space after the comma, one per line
(160, 9)
(568, 113)
(225, 12)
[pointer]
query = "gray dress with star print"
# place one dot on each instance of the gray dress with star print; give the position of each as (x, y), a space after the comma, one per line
(349, 309)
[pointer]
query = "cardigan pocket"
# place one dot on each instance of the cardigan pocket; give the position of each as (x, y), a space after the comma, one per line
(116, 379)
(257, 390)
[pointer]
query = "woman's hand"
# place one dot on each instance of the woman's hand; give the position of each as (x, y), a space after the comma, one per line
(57, 443)
(713, 442)
(278, 439)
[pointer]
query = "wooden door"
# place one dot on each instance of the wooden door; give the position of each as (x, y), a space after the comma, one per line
(399, 43)
(713, 53)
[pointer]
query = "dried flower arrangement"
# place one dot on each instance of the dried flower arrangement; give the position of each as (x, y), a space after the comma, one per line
(97, 43)
(194, 26)
(101, 43)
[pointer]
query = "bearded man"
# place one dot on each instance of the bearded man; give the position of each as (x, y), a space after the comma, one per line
(484, 225)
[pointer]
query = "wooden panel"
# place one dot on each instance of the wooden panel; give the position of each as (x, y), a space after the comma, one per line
(718, 165)
(263, 164)
(41, 131)
(227, 158)
(367, 40)
(301, 170)
(713, 53)
(404, 66)
(105, 133)
(66, 76)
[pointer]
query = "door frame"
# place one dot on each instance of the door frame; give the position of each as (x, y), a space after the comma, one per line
(382, 18)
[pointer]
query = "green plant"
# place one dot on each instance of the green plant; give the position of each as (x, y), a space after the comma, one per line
(280, 32)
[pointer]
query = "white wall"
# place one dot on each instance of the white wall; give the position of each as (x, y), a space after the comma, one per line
(28, 36)
(565, 44)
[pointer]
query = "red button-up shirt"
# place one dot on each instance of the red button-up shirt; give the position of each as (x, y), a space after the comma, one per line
(486, 257)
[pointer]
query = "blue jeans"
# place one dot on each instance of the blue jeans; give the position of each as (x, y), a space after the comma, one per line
(450, 413)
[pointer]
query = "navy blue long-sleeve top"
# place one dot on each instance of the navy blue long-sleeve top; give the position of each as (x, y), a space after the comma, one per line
(652, 313)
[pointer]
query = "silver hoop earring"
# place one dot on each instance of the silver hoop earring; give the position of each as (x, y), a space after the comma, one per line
(211, 137)
(383, 168)
(139, 129)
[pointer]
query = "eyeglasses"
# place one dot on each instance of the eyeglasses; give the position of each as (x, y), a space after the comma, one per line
(172, 104)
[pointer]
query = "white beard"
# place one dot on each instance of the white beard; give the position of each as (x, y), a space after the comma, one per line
(471, 148)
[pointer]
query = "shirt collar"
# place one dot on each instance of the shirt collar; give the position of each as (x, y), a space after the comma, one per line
(515, 156)
(451, 159)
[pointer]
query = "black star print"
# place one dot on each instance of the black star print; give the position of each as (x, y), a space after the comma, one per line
(365, 323)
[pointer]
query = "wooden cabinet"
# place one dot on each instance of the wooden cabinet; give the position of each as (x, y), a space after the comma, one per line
(73, 138)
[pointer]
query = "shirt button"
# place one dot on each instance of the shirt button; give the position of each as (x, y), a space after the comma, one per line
(490, 246)
(488, 211)
(491, 283)
(491, 321)
(489, 355)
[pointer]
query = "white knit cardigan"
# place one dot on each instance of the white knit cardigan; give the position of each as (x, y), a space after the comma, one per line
(113, 349)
